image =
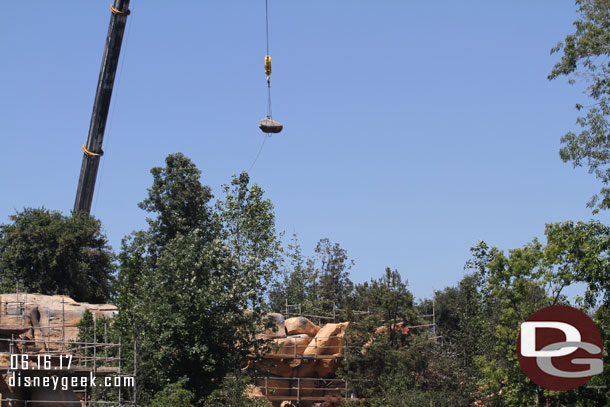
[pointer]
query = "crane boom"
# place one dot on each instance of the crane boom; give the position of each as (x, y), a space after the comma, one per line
(93, 149)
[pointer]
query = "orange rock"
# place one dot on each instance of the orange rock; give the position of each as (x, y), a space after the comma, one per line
(326, 367)
(49, 315)
(307, 369)
(291, 346)
(282, 368)
(301, 325)
(328, 341)
(308, 388)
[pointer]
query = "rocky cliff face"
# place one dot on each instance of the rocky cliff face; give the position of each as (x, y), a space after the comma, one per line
(48, 317)
(44, 327)
(302, 364)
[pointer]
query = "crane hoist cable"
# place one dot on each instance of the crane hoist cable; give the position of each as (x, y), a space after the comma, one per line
(267, 124)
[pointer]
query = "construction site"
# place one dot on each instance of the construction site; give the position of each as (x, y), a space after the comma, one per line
(303, 363)
(44, 362)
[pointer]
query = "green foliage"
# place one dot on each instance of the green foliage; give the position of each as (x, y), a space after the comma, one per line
(390, 355)
(585, 54)
(100, 331)
(185, 283)
(48, 253)
(232, 393)
(296, 284)
(463, 321)
(516, 285)
(334, 286)
(178, 199)
(581, 252)
(319, 284)
(246, 225)
(174, 394)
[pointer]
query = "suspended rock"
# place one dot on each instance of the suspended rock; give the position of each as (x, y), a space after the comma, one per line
(270, 126)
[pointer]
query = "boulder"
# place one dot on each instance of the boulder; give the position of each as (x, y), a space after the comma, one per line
(306, 369)
(268, 125)
(49, 317)
(325, 368)
(309, 388)
(282, 368)
(301, 325)
(328, 341)
(291, 346)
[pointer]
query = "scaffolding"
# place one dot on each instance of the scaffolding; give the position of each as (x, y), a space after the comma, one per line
(292, 359)
(54, 351)
(294, 310)
(305, 389)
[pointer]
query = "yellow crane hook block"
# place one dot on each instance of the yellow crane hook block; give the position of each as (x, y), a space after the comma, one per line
(268, 125)
(268, 64)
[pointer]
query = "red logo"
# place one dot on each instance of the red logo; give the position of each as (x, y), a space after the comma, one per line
(560, 348)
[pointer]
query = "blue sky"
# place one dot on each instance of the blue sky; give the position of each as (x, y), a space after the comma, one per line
(412, 129)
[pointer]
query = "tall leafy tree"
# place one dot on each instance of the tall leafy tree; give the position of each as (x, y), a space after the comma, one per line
(517, 284)
(246, 224)
(382, 349)
(584, 56)
(178, 200)
(185, 283)
(46, 252)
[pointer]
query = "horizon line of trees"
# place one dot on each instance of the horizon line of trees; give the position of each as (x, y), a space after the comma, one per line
(182, 285)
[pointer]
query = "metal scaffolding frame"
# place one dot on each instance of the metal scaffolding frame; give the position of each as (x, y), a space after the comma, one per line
(86, 357)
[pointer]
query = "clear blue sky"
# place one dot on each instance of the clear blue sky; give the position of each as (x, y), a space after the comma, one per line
(412, 129)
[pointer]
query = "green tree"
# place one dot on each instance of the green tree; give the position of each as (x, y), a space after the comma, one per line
(185, 283)
(246, 223)
(233, 393)
(179, 201)
(381, 347)
(388, 300)
(46, 252)
(333, 285)
(516, 285)
(175, 395)
(580, 252)
(585, 56)
(296, 283)
(462, 320)
(513, 288)
(319, 284)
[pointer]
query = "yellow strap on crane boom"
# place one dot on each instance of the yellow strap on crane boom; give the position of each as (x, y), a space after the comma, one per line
(87, 152)
(119, 12)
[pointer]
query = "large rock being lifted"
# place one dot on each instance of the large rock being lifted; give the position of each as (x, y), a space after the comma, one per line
(268, 125)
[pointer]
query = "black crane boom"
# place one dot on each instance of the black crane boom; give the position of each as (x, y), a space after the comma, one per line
(101, 105)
